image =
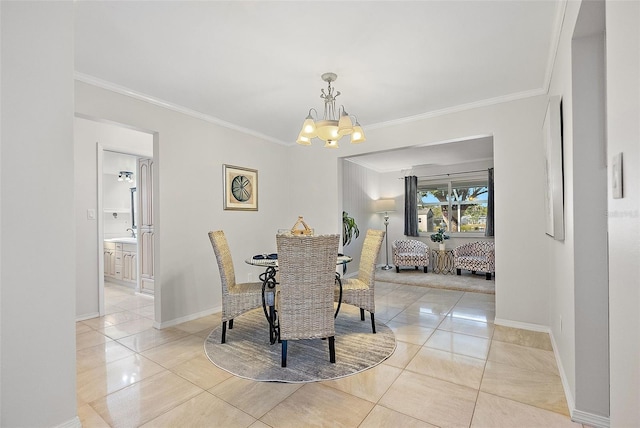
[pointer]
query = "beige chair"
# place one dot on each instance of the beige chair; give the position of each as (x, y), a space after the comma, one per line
(236, 298)
(360, 291)
(307, 268)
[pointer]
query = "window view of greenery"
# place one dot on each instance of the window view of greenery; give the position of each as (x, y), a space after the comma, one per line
(457, 206)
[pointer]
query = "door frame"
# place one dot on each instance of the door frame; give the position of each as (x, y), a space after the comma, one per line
(100, 149)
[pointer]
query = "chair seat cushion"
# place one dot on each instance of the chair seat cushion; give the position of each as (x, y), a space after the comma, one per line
(246, 287)
(472, 259)
(353, 284)
(412, 254)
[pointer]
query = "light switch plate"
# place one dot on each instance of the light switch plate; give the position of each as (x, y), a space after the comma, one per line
(91, 214)
(616, 177)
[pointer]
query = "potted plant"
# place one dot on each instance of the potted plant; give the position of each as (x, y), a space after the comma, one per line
(349, 228)
(440, 237)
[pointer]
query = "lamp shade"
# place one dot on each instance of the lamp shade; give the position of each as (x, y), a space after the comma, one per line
(345, 126)
(358, 134)
(384, 205)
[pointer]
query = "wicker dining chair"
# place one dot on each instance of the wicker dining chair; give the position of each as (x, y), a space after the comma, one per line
(359, 291)
(307, 267)
(236, 298)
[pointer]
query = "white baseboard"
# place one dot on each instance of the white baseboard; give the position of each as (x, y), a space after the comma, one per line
(71, 423)
(571, 402)
(190, 317)
(590, 419)
(87, 316)
(522, 325)
(578, 416)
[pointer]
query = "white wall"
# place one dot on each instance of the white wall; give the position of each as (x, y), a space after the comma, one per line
(38, 373)
(87, 135)
(589, 217)
(578, 287)
(558, 255)
(361, 186)
(189, 154)
(623, 136)
(516, 127)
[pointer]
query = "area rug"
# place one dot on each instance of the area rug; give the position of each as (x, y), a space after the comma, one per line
(476, 283)
(248, 354)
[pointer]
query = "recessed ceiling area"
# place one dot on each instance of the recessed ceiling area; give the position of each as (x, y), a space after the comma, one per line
(443, 154)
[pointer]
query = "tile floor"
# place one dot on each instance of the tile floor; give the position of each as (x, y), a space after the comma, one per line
(452, 367)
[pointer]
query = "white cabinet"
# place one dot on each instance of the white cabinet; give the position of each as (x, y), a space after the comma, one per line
(109, 251)
(120, 261)
(146, 265)
(129, 263)
(118, 256)
(146, 226)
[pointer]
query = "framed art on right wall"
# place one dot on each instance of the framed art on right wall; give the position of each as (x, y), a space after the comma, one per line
(554, 169)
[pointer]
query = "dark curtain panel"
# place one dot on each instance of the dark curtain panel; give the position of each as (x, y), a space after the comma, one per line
(489, 231)
(411, 205)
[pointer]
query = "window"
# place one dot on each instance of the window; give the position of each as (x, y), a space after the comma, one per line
(457, 205)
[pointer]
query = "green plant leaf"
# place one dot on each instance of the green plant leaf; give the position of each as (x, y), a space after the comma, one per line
(349, 229)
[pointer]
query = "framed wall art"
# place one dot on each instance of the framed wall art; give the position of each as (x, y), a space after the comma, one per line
(240, 188)
(554, 165)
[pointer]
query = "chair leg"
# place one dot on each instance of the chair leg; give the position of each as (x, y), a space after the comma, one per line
(373, 323)
(284, 353)
(332, 349)
(488, 276)
(458, 271)
(230, 324)
(224, 332)
(361, 314)
(397, 269)
(425, 269)
(416, 267)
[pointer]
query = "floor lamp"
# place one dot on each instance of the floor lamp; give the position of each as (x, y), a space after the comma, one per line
(385, 206)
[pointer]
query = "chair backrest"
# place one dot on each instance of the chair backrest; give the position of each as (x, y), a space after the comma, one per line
(307, 268)
(410, 246)
(477, 249)
(369, 256)
(223, 257)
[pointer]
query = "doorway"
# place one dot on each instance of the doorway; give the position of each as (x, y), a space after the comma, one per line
(120, 232)
(93, 137)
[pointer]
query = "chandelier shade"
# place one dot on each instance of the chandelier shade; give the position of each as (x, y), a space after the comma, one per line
(330, 129)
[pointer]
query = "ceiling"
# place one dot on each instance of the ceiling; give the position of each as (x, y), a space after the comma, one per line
(435, 155)
(256, 65)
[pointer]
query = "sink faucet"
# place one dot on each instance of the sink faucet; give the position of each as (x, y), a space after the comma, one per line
(133, 232)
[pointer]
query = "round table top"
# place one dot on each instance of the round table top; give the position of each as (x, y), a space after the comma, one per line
(274, 262)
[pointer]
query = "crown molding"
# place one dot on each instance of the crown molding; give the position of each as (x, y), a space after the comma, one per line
(460, 108)
(91, 80)
(555, 45)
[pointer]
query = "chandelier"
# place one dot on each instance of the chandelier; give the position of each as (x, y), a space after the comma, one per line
(330, 129)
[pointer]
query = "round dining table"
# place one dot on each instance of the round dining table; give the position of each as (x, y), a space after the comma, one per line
(269, 261)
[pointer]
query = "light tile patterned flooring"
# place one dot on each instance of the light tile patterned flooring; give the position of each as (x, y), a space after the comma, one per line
(452, 367)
